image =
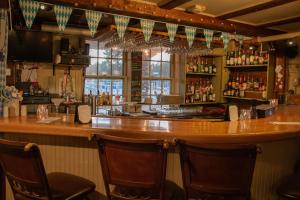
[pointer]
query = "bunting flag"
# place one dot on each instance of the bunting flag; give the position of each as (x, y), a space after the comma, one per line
(226, 38)
(63, 14)
(147, 27)
(121, 23)
(208, 34)
(93, 18)
(172, 29)
(240, 39)
(190, 34)
(29, 9)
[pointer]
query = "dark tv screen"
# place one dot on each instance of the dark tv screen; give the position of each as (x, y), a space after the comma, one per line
(30, 46)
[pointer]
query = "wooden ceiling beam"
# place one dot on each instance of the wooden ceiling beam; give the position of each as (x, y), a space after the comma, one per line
(172, 3)
(149, 11)
(256, 8)
(280, 22)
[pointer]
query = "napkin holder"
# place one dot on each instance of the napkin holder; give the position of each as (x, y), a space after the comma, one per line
(83, 114)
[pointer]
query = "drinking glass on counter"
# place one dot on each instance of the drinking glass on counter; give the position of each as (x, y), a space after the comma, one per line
(42, 112)
(245, 114)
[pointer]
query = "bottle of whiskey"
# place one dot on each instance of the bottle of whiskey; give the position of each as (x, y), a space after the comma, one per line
(239, 59)
(243, 57)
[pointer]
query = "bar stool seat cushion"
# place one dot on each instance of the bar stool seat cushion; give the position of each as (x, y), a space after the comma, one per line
(290, 187)
(172, 192)
(67, 186)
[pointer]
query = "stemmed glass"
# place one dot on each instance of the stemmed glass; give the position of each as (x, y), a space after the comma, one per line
(57, 102)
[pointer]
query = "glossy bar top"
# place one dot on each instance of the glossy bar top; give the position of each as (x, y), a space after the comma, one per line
(247, 131)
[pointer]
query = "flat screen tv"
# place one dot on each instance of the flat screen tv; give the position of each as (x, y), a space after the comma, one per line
(30, 46)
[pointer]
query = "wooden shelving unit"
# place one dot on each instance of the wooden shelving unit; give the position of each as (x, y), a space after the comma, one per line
(217, 58)
(267, 71)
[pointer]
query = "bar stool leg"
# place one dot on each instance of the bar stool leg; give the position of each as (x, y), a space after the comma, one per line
(2, 185)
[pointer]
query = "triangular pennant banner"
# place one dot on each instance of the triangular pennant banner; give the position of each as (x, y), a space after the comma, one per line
(29, 9)
(240, 39)
(208, 34)
(121, 23)
(63, 14)
(190, 34)
(226, 38)
(93, 18)
(147, 27)
(172, 29)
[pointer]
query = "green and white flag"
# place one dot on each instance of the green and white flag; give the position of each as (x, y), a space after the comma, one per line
(190, 34)
(240, 39)
(121, 23)
(147, 27)
(63, 14)
(93, 18)
(172, 29)
(29, 9)
(226, 38)
(208, 34)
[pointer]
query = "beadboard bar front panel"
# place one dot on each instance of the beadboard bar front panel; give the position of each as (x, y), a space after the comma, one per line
(80, 157)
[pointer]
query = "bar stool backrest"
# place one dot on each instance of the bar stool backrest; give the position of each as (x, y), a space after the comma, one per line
(23, 166)
(217, 171)
(133, 163)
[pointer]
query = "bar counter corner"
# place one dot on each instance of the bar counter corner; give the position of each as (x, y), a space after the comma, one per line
(68, 147)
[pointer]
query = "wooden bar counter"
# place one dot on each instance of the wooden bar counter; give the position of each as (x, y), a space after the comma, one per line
(68, 147)
(246, 131)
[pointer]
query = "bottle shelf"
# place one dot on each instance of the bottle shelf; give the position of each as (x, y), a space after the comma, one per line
(246, 66)
(200, 74)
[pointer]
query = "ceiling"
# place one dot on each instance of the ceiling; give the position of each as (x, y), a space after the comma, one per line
(216, 8)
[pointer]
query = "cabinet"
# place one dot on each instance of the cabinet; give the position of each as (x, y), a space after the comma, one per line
(202, 79)
(248, 75)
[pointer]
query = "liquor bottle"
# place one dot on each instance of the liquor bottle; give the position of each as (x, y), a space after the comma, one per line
(233, 82)
(251, 83)
(237, 82)
(228, 59)
(194, 65)
(243, 57)
(232, 58)
(202, 66)
(235, 57)
(247, 57)
(214, 67)
(192, 88)
(229, 83)
(210, 68)
(251, 58)
(261, 58)
(244, 83)
(256, 58)
(198, 65)
(225, 92)
(206, 67)
(256, 84)
(239, 59)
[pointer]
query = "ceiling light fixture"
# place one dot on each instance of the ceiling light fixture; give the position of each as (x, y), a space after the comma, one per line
(43, 7)
(196, 9)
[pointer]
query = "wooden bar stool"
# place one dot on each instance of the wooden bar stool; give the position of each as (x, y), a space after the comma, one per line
(135, 169)
(289, 187)
(23, 166)
(217, 172)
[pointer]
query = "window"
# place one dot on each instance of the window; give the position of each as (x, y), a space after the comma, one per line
(106, 72)
(156, 73)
